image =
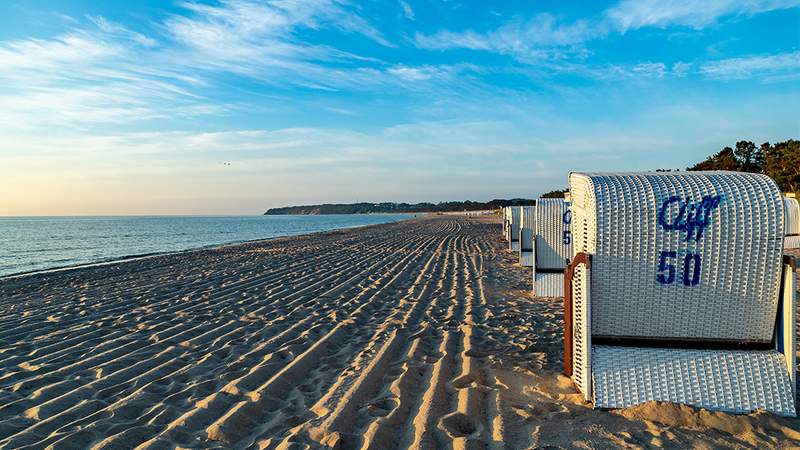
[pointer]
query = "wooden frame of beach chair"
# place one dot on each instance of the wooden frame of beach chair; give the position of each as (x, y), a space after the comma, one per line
(792, 224)
(552, 246)
(513, 228)
(679, 292)
(526, 235)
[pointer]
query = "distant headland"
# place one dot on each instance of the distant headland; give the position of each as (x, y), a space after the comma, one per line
(374, 208)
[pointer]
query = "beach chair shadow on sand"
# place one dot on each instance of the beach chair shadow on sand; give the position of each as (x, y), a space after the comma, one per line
(679, 292)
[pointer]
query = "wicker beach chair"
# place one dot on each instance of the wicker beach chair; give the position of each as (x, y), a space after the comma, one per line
(526, 235)
(552, 246)
(678, 291)
(506, 222)
(792, 224)
(513, 228)
(503, 214)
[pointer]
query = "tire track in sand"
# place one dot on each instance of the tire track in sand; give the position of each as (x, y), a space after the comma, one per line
(338, 339)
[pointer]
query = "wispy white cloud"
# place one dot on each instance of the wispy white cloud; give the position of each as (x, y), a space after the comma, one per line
(420, 73)
(541, 37)
(681, 69)
(258, 35)
(642, 70)
(544, 38)
(446, 40)
(408, 12)
(633, 14)
(91, 74)
(100, 71)
(650, 69)
(763, 66)
(111, 28)
(41, 54)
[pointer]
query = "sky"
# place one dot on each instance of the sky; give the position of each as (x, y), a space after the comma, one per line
(235, 106)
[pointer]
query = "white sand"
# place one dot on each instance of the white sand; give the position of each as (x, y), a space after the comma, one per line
(414, 334)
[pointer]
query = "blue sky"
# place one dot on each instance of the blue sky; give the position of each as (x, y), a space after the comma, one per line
(136, 107)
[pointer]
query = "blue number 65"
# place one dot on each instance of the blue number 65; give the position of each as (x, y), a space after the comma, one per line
(664, 265)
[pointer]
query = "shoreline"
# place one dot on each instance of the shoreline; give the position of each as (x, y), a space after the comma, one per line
(136, 257)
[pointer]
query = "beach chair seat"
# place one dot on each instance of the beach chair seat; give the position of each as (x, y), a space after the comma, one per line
(552, 246)
(526, 235)
(678, 291)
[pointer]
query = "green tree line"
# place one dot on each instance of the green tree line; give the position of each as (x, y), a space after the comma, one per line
(554, 194)
(781, 161)
(388, 207)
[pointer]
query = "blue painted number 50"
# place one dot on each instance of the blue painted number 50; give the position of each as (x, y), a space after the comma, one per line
(667, 272)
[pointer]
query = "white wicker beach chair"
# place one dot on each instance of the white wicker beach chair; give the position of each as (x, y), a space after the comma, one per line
(792, 224)
(527, 232)
(513, 228)
(507, 223)
(503, 214)
(552, 246)
(678, 291)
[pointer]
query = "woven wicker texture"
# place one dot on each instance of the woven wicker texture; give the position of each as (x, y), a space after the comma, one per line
(514, 218)
(728, 380)
(581, 337)
(553, 247)
(691, 255)
(505, 223)
(791, 242)
(548, 284)
(508, 223)
(792, 212)
(527, 227)
(526, 259)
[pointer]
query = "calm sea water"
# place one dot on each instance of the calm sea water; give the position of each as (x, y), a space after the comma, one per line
(37, 243)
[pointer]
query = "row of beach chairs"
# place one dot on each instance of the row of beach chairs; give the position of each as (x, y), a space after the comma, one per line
(675, 284)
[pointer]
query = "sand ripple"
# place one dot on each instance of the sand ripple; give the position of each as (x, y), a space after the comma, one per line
(415, 334)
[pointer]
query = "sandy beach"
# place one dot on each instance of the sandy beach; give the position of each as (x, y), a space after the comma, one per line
(420, 334)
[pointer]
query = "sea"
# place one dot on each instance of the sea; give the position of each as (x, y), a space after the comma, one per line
(32, 244)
